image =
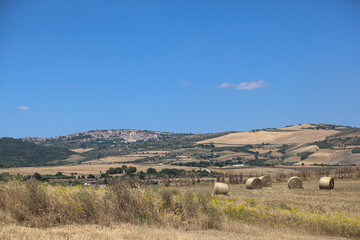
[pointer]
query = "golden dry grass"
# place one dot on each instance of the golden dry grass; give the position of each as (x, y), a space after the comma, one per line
(176, 213)
(129, 231)
(297, 127)
(231, 156)
(293, 159)
(179, 212)
(258, 137)
(311, 148)
(125, 158)
(322, 156)
(82, 150)
(344, 198)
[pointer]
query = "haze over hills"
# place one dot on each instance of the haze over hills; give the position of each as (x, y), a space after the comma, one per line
(304, 144)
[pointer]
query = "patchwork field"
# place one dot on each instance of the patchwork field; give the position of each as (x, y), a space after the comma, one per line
(169, 204)
(269, 137)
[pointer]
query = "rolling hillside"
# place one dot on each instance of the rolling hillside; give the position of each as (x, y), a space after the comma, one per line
(299, 134)
(18, 153)
(305, 144)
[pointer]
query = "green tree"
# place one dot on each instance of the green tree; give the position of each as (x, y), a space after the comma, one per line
(90, 176)
(141, 175)
(37, 176)
(5, 177)
(151, 171)
(130, 171)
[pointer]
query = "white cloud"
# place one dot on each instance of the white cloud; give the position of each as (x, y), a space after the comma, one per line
(246, 85)
(26, 108)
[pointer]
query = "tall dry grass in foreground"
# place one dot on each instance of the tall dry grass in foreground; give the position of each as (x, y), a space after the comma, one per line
(124, 231)
(38, 205)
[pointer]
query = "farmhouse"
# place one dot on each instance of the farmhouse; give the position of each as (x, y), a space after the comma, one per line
(205, 169)
(90, 182)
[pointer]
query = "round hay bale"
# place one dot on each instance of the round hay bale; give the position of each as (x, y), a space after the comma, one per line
(294, 182)
(266, 181)
(326, 183)
(220, 188)
(253, 183)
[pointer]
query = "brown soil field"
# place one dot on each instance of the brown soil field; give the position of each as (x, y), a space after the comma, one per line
(345, 157)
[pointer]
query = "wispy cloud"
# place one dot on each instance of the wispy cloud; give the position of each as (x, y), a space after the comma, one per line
(185, 83)
(25, 108)
(248, 85)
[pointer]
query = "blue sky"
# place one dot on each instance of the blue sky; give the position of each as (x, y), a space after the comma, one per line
(179, 66)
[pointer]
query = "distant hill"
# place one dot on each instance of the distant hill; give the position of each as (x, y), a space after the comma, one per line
(18, 153)
(123, 140)
(303, 144)
(289, 135)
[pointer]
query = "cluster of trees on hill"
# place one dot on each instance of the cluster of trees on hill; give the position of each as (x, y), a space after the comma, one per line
(304, 155)
(18, 153)
(124, 169)
(329, 143)
(171, 172)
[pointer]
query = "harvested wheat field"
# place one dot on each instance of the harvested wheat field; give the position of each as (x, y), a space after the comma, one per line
(82, 150)
(129, 231)
(115, 159)
(282, 137)
(34, 210)
(322, 156)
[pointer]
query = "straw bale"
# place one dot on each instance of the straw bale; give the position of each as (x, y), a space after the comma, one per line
(253, 183)
(266, 181)
(220, 188)
(294, 182)
(326, 183)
